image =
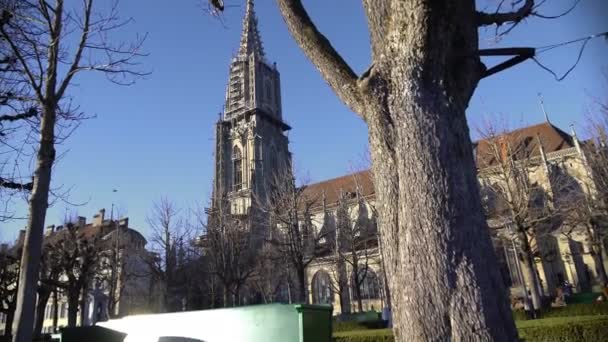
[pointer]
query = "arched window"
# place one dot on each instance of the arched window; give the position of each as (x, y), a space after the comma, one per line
(237, 168)
(321, 288)
(370, 287)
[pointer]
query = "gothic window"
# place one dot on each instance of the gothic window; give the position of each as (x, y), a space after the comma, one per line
(370, 286)
(268, 90)
(237, 168)
(321, 288)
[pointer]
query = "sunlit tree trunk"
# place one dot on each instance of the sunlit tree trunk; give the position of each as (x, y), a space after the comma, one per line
(440, 263)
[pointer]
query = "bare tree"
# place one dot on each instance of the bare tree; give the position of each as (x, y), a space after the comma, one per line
(593, 216)
(50, 271)
(42, 44)
(77, 255)
(9, 281)
(272, 275)
(355, 239)
(523, 194)
(287, 211)
(17, 113)
(169, 233)
(228, 246)
(425, 67)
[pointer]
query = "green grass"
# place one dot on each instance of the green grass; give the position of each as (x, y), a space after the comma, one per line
(376, 332)
(570, 310)
(555, 329)
(553, 321)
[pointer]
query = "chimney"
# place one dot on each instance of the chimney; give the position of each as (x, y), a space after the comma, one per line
(82, 221)
(98, 218)
(124, 222)
(21, 235)
(49, 230)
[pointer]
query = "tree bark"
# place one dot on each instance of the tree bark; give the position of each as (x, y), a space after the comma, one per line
(440, 263)
(529, 269)
(83, 305)
(55, 309)
(43, 299)
(597, 253)
(72, 308)
(32, 247)
(8, 325)
(301, 275)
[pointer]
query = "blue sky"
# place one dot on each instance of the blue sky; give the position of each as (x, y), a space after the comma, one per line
(155, 138)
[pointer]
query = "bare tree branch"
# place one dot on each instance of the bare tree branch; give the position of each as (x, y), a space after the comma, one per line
(484, 19)
(319, 50)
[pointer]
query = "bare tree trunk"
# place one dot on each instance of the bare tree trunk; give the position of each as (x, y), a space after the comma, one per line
(440, 263)
(225, 297)
(83, 306)
(43, 299)
(72, 309)
(529, 269)
(55, 309)
(301, 275)
(449, 263)
(8, 327)
(359, 299)
(597, 254)
(32, 247)
(598, 259)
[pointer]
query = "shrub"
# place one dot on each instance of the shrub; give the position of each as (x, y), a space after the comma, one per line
(559, 329)
(354, 325)
(565, 329)
(591, 309)
(378, 335)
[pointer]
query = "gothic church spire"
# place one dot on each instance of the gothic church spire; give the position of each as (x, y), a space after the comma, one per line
(251, 43)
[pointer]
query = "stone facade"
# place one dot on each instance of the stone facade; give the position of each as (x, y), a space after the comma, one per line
(251, 140)
(136, 293)
(252, 146)
(566, 258)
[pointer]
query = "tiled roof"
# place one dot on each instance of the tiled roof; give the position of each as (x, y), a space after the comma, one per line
(347, 183)
(553, 139)
(524, 142)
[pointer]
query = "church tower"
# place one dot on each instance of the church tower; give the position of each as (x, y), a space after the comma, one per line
(251, 141)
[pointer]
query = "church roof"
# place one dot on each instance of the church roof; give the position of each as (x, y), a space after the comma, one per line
(525, 141)
(553, 139)
(251, 43)
(349, 183)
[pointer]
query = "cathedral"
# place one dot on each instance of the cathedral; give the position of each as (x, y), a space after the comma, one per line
(251, 141)
(252, 147)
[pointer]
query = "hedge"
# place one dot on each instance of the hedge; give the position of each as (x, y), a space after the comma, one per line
(353, 325)
(565, 329)
(592, 309)
(560, 329)
(377, 335)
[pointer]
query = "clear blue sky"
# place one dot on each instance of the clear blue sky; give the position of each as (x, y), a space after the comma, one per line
(156, 138)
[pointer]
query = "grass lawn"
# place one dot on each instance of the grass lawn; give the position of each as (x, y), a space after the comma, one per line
(553, 321)
(554, 329)
(371, 332)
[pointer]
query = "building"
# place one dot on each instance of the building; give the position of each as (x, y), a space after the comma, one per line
(252, 147)
(251, 140)
(559, 257)
(121, 284)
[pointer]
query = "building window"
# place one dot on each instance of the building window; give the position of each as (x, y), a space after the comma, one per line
(370, 287)
(62, 311)
(237, 163)
(268, 91)
(322, 292)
